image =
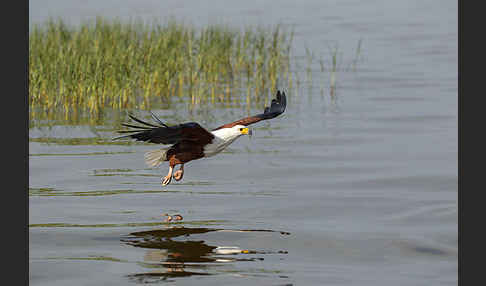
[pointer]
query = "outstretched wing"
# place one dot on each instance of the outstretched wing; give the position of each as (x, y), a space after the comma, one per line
(276, 108)
(163, 134)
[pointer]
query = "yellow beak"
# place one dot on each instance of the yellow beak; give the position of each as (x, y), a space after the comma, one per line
(246, 131)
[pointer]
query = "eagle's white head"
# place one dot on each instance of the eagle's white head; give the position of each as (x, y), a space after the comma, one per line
(230, 134)
(224, 137)
(241, 130)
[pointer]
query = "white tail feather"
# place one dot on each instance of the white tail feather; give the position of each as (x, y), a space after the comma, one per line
(155, 157)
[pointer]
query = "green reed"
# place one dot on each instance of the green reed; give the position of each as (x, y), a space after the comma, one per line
(119, 65)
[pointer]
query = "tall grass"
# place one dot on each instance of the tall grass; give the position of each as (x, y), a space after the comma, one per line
(119, 65)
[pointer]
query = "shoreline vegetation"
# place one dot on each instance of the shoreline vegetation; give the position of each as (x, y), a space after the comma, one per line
(86, 73)
(118, 65)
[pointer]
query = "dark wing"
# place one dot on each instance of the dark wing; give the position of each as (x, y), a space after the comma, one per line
(163, 134)
(276, 108)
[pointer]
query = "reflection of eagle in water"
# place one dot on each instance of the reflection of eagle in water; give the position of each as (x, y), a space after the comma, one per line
(190, 141)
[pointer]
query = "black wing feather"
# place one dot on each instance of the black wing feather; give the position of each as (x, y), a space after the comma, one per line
(164, 134)
(140, 121)
(276, 108)
(134, 126)
(158, 120)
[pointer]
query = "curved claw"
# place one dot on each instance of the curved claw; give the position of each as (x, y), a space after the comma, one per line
(166, 180)
(178, 175)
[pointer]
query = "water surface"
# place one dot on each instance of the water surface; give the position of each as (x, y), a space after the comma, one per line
(357, 189)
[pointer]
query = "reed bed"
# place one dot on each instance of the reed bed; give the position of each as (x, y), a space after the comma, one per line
(108, 64)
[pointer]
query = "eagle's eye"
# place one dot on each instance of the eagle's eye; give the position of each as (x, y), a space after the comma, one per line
(241, 129)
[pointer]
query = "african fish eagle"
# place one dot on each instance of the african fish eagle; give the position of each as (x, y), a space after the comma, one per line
(189, 141)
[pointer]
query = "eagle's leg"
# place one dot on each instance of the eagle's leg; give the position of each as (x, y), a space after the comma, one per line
(179, 173)
(166, 180)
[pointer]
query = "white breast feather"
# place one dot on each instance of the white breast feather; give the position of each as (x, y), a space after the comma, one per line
(222, 138)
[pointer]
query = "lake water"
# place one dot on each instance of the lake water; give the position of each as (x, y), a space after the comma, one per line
(357, 189)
